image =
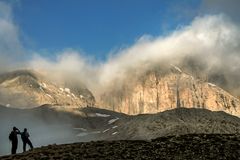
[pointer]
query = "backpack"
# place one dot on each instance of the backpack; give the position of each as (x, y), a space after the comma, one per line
(11, 136)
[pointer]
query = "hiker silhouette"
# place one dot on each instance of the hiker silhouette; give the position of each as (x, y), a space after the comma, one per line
(14, 139)
(25, 139)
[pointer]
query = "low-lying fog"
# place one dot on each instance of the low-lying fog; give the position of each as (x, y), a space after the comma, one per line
(45, 127)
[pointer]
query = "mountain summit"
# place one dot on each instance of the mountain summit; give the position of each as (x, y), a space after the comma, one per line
(27, 88)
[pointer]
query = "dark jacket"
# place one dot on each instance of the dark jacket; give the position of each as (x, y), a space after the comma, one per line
(13, 136)
(24, 136)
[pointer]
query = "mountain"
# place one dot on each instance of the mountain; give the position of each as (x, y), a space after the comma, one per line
(49, 124)
(161, 89)
(177, 121)
(192, 146)
(154, 90)
(27, 88)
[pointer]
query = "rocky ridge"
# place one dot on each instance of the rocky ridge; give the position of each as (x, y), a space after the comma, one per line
(177, 121)
(26, 88)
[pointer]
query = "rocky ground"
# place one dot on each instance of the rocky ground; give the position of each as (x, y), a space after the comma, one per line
(60, 125)
(191, 146)
(178, 121)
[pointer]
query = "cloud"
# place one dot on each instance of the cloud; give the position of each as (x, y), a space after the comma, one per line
(10, 45)
(69, 66)
(212, 42)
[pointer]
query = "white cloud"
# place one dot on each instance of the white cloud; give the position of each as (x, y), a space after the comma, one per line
(210, 40)
(213, 39)
(68, 66)
(10, 45)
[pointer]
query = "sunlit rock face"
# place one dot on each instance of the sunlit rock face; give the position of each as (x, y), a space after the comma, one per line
(28, 89)
(158, 90)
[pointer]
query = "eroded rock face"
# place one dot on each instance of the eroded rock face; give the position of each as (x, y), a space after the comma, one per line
(30, 89)
(156, 91)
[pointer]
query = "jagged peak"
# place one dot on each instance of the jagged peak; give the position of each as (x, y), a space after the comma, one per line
(29, 88)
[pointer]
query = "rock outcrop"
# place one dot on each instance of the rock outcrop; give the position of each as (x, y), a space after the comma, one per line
(25, 88)
(157, 90)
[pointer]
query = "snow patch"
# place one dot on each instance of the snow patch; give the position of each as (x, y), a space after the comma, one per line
(177, 68)
(212, 85)
(112, 120)
(73, 95)
(114, 133)
(106, 130)
(114, 127)
(96, 132)
(8, 105)
(82, 129)
(67, 90)
(102, 115)
(82, 134)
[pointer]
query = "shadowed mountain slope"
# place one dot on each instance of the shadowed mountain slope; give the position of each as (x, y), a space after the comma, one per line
(58, 124)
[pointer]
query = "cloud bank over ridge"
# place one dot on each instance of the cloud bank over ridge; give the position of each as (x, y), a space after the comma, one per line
(212, 42)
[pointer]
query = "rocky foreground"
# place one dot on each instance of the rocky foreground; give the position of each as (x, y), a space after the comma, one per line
(191, 146)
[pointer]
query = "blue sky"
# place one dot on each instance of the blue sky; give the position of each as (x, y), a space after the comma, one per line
(97, 27)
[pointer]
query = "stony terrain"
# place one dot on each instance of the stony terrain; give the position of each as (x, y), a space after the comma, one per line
(27, 89)
(191, 146)
(173, 122)
(158, 90)
(58, 124)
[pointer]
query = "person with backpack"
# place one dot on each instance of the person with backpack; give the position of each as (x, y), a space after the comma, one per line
(14, 139)
(25, 139)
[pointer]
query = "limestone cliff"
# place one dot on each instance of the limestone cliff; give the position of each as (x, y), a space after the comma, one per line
(158, 90)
